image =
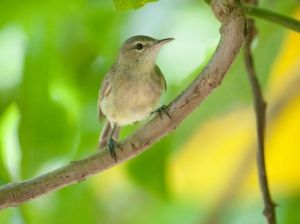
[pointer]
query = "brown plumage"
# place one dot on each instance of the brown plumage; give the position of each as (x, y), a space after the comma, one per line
(132, 88)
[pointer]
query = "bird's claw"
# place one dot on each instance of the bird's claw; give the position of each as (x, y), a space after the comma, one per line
(112, 144)
(111, 148)
(163, 110)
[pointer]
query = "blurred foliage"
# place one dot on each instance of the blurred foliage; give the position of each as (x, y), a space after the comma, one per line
(53, 56)
(129, 4)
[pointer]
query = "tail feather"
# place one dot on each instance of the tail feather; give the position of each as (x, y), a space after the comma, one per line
(107, 133)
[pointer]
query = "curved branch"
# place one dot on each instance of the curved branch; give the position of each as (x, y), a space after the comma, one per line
(232, 19)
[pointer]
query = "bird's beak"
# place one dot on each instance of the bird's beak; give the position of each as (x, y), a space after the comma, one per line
(162, 42)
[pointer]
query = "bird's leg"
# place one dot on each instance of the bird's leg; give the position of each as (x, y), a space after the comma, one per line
(111, 148)
(112, 143)
(162, 110)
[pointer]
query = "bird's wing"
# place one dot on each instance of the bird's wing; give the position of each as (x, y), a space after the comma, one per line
(104, 91)
(159, 73)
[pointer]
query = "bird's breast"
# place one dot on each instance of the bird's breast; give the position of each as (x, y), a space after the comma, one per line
(132, 99)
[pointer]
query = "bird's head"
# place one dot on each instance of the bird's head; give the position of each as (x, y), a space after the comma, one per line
(141, 50)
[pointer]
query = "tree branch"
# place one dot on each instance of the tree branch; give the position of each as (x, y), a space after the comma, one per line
(273, 17)
(232, 19)
(260, 110)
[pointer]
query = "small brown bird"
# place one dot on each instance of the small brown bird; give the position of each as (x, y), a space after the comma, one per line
(131, 89)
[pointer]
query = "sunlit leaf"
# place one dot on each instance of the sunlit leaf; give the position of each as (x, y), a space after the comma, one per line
(11, 153)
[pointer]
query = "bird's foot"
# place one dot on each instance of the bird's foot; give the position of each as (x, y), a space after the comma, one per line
(112, 144)
(162, 110)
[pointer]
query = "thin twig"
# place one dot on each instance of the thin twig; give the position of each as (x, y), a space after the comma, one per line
(260, 110)
(245, 164)
(273, 17)
(232, 19)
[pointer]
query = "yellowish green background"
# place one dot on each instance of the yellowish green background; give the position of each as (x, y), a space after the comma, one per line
(53, 56)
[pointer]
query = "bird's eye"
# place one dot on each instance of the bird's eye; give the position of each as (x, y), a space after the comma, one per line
(139, 46)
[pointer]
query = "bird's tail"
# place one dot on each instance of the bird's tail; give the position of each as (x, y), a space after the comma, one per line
(108, 131)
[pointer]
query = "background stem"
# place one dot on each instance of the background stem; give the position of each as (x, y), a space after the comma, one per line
(273, 17)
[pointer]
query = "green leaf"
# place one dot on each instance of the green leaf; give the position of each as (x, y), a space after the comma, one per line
(130, 4)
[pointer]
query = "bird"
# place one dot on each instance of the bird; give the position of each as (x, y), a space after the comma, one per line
(131, 89)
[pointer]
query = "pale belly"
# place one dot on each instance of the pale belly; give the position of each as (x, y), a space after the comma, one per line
(131, 102)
